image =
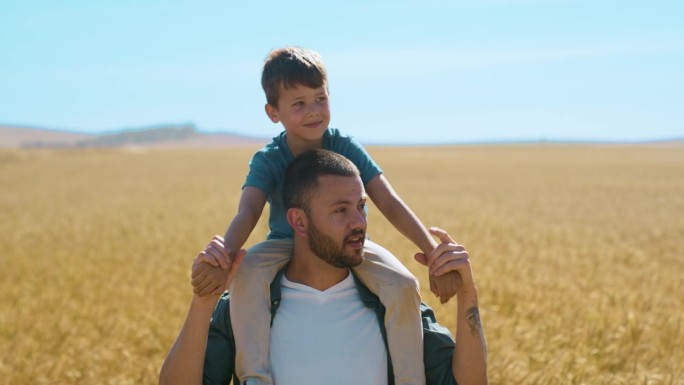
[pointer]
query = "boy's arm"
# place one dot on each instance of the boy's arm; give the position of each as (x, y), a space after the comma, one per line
(252, 202)
(213, 279)
(403, 219)
(399, 214)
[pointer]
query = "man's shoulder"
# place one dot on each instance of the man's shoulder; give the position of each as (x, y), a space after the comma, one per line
(221, 315)
(430, 323)
(438, 349)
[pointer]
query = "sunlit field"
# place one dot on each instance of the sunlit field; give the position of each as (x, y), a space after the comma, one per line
(578, 253)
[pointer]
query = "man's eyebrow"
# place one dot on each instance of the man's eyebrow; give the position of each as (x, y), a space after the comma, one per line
(343, 201)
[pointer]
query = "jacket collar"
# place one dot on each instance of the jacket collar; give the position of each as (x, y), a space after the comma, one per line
(369, 299)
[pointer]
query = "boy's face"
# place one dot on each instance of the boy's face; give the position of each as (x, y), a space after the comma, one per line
(303, 111)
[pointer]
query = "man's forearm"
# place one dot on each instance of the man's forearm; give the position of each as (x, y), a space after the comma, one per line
(470, 355)
(185, 362)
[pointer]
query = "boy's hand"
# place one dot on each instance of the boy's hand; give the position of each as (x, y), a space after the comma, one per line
(213, 269)
(444, 285)
(445, 279)
(207, 279)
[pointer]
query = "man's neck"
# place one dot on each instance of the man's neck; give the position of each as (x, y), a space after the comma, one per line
(308, 269)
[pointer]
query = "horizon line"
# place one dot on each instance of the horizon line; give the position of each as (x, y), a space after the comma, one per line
(369, 143)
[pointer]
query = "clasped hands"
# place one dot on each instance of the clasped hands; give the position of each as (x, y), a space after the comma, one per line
(214, 268)
(448, 267)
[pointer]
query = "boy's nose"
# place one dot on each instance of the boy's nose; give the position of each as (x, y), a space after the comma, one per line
(315, 109)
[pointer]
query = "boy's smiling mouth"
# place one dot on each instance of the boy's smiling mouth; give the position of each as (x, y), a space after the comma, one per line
(313, 125)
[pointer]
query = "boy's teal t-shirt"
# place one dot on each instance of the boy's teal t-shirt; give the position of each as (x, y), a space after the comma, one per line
(268, 165)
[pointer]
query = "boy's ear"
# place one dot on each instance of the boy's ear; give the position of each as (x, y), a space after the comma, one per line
(272, 113)
(297, 220)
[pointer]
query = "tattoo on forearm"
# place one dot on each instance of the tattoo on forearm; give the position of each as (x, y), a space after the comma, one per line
(473, 317)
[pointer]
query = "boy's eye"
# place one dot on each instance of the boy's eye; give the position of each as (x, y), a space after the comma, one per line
(322, 99)
(341, 210)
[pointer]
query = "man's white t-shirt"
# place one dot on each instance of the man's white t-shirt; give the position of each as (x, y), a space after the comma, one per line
(326, 337)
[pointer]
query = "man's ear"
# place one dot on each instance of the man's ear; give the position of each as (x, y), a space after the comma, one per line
(272, 113)
(297, 220)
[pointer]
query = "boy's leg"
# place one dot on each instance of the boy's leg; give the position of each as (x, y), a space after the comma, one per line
(398, 290)
(250, 305)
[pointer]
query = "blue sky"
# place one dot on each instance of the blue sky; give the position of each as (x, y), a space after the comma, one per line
(399, 71)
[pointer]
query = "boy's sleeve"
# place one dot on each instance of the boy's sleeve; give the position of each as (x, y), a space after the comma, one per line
(354, 151)
(259, 175)
(219, 359)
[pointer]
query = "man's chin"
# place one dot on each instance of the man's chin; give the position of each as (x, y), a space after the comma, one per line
(356, 259)
(357, 254)
(349, 260)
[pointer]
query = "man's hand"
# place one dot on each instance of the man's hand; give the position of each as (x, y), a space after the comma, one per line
(469, 360)
(449, 263)
(213, 269)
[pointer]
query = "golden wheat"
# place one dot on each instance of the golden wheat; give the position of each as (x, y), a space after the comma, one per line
(578, 253)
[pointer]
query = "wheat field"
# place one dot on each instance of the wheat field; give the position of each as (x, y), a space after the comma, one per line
(578, 253)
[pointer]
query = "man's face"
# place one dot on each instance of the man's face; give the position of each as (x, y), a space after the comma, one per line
(303, 111)
(337, 222)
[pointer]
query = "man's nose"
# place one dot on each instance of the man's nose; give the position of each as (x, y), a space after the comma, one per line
(358, 220)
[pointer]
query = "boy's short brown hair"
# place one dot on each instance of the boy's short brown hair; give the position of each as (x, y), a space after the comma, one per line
(292, 66)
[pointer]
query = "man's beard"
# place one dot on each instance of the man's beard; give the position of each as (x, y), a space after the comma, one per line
(328, 250)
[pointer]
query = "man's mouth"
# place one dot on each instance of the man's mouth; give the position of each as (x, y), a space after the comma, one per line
(356, 241)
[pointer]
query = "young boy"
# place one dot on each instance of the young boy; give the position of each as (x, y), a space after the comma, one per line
(295, 83)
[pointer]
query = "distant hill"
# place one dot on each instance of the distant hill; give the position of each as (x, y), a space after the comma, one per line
(17, 137)
(185, 135)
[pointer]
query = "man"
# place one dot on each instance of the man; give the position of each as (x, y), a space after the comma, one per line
(327, 327)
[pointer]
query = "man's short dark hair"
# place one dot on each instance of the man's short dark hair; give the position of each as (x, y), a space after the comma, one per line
(301, 177)
(292, 66)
